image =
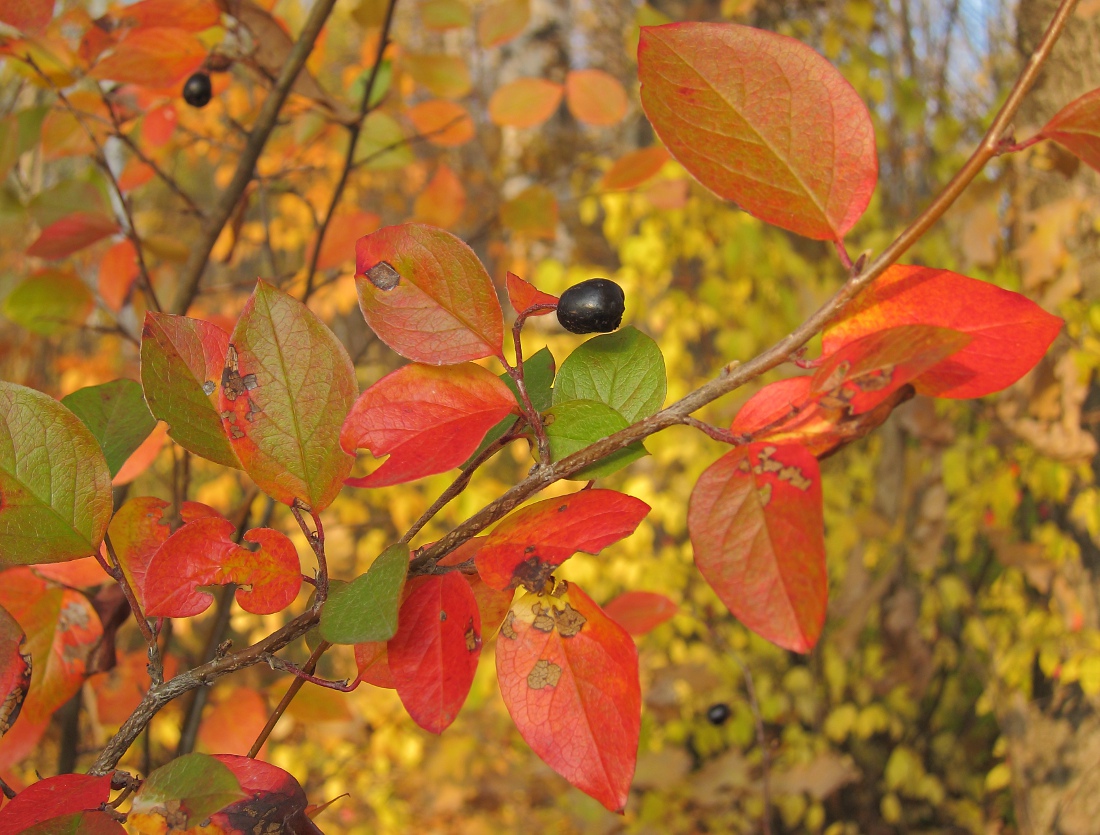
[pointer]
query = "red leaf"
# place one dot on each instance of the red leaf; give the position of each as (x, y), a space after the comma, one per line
(427, 419)
(158, 125)
(434, 654)
(569, 678)
(595, 97)
(525, 102)
(523, 295)
(634, 168)
(287, 386)
(52, 797)
(373, 663)
(71, 234)
(152, 57)
(26, 15)
(275, 798)
(202, 553)
(1077, 127)
(528, 545)
(763, 120)
(15, 670)
(61, 628)
(492, 603)
(1011, 333)
(427, 296)
(756, 524)
(117, 273)
(639, 612)
(192, 15)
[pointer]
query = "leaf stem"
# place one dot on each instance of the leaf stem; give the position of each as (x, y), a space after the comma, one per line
(516, 373)
(277, 663)
(287, 698)
(156, 668)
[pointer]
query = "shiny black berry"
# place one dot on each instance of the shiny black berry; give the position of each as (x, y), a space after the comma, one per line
(718, 714)
(593, 306)
(197, 90)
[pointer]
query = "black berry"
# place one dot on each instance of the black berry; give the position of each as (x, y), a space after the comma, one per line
(593, 306)
(718, 714)
(197, 90)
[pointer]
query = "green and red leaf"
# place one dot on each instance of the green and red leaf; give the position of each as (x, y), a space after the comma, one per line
(116, 415)
(285, 390)
(762, 120)
(1010, 332)
(275, 800)
(434, 654)
(15, 670)
(639, 612)
(55, 796)
(191, 788)
(427, 296)
(529, 544)
(426, 419)
(71, 234)
(756, 524)
(181, 368)
(78, 823)
(55, 486)
(569, 678)
(365, 610)
(203, 553)
(1077, 128)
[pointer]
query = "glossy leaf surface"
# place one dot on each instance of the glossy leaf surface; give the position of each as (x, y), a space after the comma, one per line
(182, 361)
(427, 419)
(625, 370)
(1077, 127)
(639, 612)
(569, 678)
(538, 379)
(1010, 332)
(575, 424)
(202, 553)
(60, 795)
(529, 544)
(427, 296)
(117, 417)
(366, 608)
(763, 120)
(434, 654)
(15, 670)
(285, 390)
(55, 487)
(756, 524)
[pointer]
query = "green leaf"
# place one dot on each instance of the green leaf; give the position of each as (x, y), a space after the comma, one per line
(574, 425)
(199, 783)
(625, 370)
(55, 486)
(49, 301)
(382, 144)
(538, 376)
(366, 608)
(117, 416)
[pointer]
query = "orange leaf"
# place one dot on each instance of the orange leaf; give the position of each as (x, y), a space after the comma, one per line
(443, 201)
(373, 663)
(71, 234)
(525, 102)
(533, 212)
(232, 721)
(443, 123)
(1077, 127)
(569, 678)
(639, 612)
(1010, 332)
(523, 295)
(158, 125)
(502, 21)
(756, 524)
(83, 573)
(142, 457)
(26, 15)
(635, 168)
(135, 174)
(117, 273)
(446, 76)
(192, 15)
(595, 97)
(344, 230)
(152, 57)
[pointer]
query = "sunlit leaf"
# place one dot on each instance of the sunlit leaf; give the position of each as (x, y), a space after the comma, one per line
(493, 604)
(595, 97)
(285, 390)
(523, 295)
(434, 654)
(533, 212)
(152, 57)
(427, 296)
(426, 418)
(61, 628)
(763, 120)
(575, 424)
(194, 786)
(15, 670)
(624, 369)
(55, 488)
(116, 415)
(366, 608)
(71, 234)
(446, 76)
(26, 15)
(634, 168)
(52, 797)
(531, 542)
(756, 524)
(639, 612)
(49, 301)
(525, 102)
(1077, 127)
(443, 201)
(1010, 332)
(202, 553)
(569, 677)
(501, 21)
(443, 123)
(182, 361)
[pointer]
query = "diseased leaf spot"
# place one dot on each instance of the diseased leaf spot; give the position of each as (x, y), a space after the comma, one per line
(543, 622)
(473, 639)
(563, 508)
(233, 386)
(532, 573)
(543, 674)
(569, 621)
(208, 387)
(442, 615)
(765, 494)
(383, 276)
(506, 628)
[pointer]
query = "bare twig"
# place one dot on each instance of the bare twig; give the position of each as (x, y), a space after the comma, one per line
(114, 568)
(288, 697)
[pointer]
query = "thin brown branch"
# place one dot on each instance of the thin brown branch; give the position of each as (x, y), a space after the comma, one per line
(287, 698)
(250, 154)
(156, 669)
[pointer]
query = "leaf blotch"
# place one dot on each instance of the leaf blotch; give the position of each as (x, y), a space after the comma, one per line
(543, 674)
(569, 621)
(506, 628)
(532, 573)
(383, 276)
(473, 639)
